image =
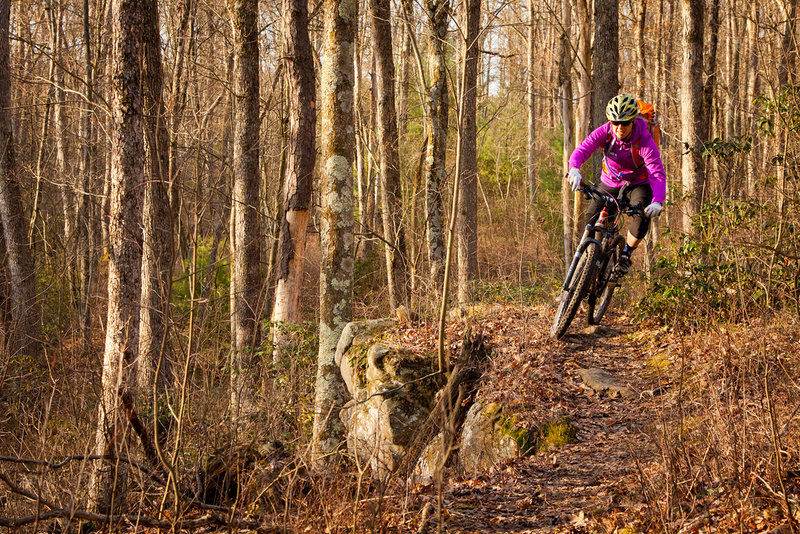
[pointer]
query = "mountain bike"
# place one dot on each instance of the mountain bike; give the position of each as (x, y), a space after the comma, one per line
(592, 274)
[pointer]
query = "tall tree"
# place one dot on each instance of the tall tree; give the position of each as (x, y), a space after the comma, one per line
(25, 331)
(125, 250)
(245, 235)
(86, 224)
(692, 118)
(388, 141)
(336, 221)
(531, 81)
(468, 152)
(157, 227)
(565, 89)
(605, 63)
(436, 114)
(300, 160)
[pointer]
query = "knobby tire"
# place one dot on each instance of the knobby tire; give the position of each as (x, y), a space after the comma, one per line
(579, 287)
(603, 290)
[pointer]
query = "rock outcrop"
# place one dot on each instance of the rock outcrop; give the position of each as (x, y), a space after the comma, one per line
(393, 390)
(490, 438)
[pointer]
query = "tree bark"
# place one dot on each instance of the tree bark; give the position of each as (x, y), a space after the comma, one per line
(436, 115)
(388, 141)
(531, 87)
(157, 227)
(565, 85)
(246, 239)
(301, 157)
(336, 223)
(125, 245)
(468, 190)
(86, 213)
(605, 65)
(692, 118)
(25, 331)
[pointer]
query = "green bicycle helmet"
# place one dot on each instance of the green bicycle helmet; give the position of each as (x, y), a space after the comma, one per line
(622, 108)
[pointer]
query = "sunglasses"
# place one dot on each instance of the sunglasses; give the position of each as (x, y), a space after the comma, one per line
(621, 123)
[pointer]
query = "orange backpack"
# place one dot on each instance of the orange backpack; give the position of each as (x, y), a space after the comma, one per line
(648, 112)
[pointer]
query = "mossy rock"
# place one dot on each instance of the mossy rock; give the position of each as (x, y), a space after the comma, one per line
(491, 437)
(351, 350)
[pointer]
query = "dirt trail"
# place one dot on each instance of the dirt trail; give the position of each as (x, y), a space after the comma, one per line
(592, 485)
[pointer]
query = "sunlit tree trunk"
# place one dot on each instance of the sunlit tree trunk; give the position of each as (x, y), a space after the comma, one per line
(246, 238)
(125, 252)
(436, 115)
(692, 119)
(531, 87)
(467, 227)
(751, 82)
(336, 222)
(300, 159)
(641, 62)
(24, 330)
(388, 141)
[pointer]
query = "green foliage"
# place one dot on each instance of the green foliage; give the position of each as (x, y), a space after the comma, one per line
(782, 111)
(220, 279)
(556, 433)
(728, 268)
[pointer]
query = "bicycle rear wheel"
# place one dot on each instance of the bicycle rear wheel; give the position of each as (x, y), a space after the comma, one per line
(606, 284)
(579, 286)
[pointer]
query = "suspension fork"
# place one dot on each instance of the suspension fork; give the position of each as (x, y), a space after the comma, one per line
(585, 240)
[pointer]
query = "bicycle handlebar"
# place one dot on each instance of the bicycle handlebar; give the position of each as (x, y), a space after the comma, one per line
(624, 206)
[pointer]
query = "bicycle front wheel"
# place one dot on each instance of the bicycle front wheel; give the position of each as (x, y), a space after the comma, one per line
(606, 284)
(578, 288)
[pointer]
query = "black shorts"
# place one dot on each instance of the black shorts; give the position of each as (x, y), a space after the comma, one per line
(635, 194)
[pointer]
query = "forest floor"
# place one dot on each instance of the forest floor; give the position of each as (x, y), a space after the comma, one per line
(612, 478)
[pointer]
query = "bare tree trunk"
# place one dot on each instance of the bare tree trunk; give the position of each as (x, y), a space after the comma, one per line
(391, 192)
(403, 74)
(157, 227)
(86, 224)
(177, 105)
(584, 108)
(605, 63)
(300, 159)
(710, 84)
(692, 119)
(788, 62)
(436, 116)
(468, 188)
(246, 238)
(751, 80)
(25, 331)
(108, 484)
(565, 85)
(336, 223)
(640, 50)
(531, 87)
(59, 136)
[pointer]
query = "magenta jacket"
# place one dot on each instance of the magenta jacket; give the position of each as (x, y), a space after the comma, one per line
(619, 159)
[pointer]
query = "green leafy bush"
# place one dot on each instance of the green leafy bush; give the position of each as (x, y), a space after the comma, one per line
(736, 263)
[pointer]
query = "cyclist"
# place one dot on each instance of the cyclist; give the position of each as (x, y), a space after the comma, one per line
(631, 159)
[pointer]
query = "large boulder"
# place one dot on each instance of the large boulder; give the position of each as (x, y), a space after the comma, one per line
(490, 438)
(393, 394)
(351, 350)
